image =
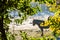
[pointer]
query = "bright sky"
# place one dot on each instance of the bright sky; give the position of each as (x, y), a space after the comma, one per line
(45, 12)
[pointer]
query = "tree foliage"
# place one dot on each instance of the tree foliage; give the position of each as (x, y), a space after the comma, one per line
(23, 6)
(53, 21)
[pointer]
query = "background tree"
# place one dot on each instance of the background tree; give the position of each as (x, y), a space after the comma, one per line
(6, 5)
(54, 21)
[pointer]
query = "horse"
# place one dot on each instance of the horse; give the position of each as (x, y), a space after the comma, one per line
(38, 22)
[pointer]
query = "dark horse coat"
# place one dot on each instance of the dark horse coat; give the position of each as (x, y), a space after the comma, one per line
(38, 22)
